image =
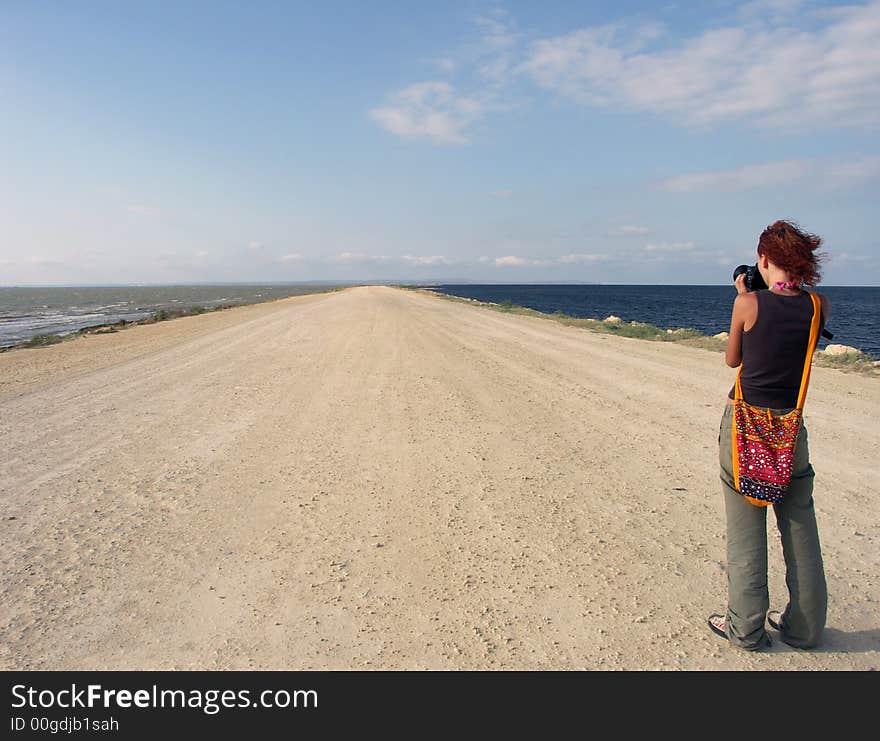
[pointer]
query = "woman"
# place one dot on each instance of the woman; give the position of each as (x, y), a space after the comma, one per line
(769, 333)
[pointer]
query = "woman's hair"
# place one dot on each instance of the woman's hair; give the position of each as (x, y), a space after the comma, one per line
(793, 250)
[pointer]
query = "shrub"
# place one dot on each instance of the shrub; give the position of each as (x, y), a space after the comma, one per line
(857, 361)
(42, 340)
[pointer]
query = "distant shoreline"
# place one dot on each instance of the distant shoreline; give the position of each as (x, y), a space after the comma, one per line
(158, 315)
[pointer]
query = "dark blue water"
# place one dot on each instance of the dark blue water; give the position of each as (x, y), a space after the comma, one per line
(854, 318)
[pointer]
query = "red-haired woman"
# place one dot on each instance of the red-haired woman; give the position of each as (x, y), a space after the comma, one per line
(769, 333)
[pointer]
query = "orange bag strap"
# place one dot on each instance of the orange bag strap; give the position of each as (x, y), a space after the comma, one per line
(811, 345)
(808, 361)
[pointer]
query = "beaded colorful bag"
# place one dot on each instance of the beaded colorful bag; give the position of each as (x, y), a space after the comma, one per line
(763, 444)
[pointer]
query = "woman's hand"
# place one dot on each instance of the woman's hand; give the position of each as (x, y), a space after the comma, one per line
(740, 283)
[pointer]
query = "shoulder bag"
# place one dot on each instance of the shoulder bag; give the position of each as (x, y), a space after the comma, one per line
(764, 444)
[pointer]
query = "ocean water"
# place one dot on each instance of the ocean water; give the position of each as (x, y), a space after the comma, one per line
(854, 318)
(29, 311)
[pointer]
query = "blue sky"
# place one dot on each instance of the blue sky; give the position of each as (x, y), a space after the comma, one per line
(625, 142)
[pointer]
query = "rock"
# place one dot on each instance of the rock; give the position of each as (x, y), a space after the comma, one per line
(721, 336)
(612, 319)
(840, 350)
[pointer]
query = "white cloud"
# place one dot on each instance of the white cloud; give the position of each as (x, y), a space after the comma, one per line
(846, 257)
(498, 31)
(512, 260)
(142, 210)
(429, 110)
(446, 64)
(255, 245)
(290, 257)
(669, 247)
(357, 257)
(824, 174)
(776, 64)
(42, 262)
(740, 178)
(202, 253)
(583, 257)
(426, 259)
(846, 174)
(771, 74)
(437, 111)
(498, 47)
(633, 229)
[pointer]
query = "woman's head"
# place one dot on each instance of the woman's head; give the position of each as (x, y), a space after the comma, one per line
(792, 250)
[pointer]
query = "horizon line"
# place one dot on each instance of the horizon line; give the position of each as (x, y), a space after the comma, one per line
(353, 283)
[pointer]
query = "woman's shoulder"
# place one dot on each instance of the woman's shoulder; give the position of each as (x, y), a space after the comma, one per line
(750, 298)
(745, 305)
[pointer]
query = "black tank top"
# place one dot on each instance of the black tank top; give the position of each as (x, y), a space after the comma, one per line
(774, 350)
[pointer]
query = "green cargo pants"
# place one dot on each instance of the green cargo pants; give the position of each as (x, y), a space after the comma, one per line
(748, 599)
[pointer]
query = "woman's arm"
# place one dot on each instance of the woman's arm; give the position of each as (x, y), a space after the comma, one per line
(733, 356)
(826, 306)
(745, 309)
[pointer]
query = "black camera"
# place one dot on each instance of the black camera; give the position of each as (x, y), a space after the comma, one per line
(754, 281)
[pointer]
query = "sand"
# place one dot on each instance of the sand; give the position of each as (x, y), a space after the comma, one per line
(383, 479)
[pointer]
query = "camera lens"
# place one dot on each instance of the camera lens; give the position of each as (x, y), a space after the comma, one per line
(754, 280)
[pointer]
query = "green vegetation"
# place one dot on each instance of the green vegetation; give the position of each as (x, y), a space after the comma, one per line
(851, 362)
(42, 340)
(164, 314)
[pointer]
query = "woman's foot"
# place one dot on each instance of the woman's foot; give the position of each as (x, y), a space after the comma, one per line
(774, 617)
(718, 625)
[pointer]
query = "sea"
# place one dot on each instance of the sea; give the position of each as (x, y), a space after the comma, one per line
(27, 311)
(854, 318)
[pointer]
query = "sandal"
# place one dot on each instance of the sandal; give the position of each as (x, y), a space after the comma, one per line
(717, 625)
(774, 617)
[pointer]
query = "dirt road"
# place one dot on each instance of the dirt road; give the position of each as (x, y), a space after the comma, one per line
(379, 478)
